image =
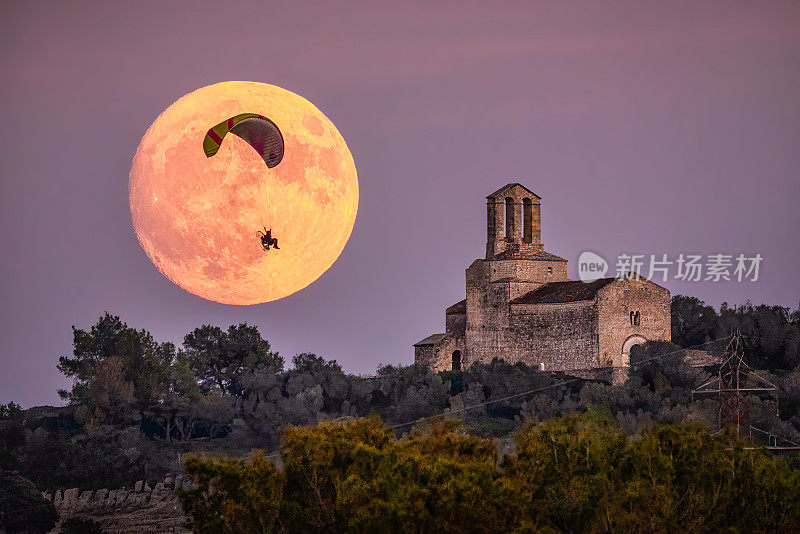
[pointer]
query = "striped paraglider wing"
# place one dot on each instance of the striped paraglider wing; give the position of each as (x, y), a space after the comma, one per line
(260, 133)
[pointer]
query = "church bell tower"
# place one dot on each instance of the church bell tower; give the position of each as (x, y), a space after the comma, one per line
(513, 223)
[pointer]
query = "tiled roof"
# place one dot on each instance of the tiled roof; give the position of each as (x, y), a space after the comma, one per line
(541, 256)
(430, 340)
(509, 186)
(572, 291)
(458, 307)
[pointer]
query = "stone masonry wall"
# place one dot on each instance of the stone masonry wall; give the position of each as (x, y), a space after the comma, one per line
(490, 286)
(616, 301)
(134, 510)
(443, 353)
(424, 355)
(456, 324)
(561, 336)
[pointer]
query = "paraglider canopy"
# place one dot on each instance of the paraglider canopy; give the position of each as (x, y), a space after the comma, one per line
(260, 133)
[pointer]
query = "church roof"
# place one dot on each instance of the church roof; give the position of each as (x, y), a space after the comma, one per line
(555, 292)
(502, 190)
(541, 255)
(430, 340)
(457, 308)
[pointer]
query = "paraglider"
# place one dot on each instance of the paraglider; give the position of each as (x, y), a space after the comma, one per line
(258, 131)
(267, 240)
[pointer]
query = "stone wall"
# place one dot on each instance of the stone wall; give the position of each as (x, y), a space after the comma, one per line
(425, 355)
(134, 510)
(560, 336)
(615, 302)
(456, 324)
(490, 287)
(442, 359)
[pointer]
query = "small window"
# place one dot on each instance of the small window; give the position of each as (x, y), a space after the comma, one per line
(541, 366)
(549, 270)
(457, 360)
(635, 318)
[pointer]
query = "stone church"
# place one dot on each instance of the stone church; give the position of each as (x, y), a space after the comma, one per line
(521, 307)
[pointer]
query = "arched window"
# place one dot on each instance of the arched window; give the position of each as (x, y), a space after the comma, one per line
(456, 360)
(634, 316)
(509, 218)
(527, 220)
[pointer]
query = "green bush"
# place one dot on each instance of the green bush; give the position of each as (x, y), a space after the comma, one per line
(580, 473)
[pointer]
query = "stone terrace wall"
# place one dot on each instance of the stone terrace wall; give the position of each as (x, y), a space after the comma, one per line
(133, 510)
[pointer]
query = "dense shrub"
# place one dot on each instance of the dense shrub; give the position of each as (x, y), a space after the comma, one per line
(22, 507)
(580, 473)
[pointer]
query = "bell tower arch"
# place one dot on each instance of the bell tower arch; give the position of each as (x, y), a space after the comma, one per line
(513, 222)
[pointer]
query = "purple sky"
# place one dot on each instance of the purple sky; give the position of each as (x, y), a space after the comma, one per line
(666, 128)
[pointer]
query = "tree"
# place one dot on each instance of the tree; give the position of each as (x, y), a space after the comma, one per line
(437, 479)
(578, 473)
(22, 507)
(143, 361)
(311, 370)
(402, 394)
(218, 357)
(693, 322)
(662, 365)
(110, 394)
(232, 495)
(176, 406)
(10, 411)
(317, 461)
(565, 472)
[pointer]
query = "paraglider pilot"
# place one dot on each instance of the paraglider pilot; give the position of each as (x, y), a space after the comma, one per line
(267, 240)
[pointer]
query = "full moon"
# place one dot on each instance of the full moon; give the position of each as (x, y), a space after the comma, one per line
(197, 217)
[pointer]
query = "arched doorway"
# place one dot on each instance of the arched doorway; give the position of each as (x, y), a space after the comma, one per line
(626, 349)
(456, 360)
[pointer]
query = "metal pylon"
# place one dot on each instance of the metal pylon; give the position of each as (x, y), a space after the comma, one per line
(734, 382)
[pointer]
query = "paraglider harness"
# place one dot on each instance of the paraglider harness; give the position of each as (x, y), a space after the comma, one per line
(267, 240)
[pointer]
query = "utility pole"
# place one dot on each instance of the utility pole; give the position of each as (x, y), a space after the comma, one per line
(734, 383)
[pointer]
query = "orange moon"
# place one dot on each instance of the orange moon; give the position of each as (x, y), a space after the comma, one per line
(197, 217)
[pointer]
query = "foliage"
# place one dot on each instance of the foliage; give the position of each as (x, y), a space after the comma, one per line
(22, 507)
(10, 411)
(771, 334)
(232, 495)
(693, 322)
(135, 403)
(115, 369)
(218, 357)
(579, 473)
